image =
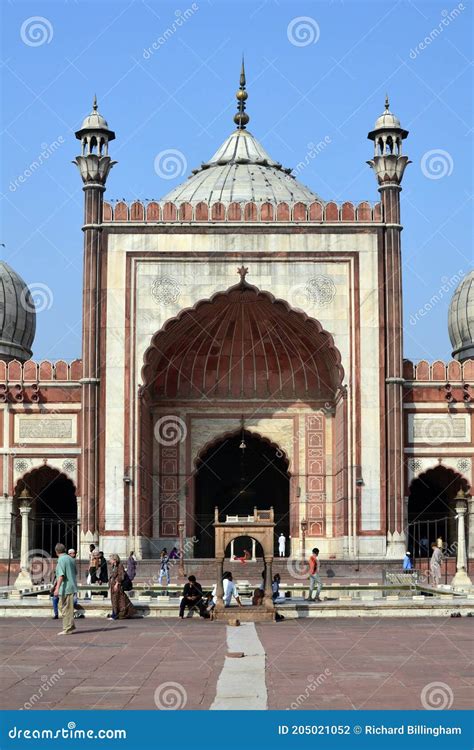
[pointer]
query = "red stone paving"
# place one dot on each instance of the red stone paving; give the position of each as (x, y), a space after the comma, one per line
(381, 664)
(110, 665)
(371, 664)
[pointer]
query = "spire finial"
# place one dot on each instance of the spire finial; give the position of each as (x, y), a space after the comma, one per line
(242, 271)
(241, 118)
(387, 103)
(94, 103)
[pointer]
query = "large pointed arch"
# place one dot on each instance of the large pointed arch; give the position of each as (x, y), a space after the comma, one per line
(242, 343)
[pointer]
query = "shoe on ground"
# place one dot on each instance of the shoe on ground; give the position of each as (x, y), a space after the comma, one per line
(55, 617)
(66, 632)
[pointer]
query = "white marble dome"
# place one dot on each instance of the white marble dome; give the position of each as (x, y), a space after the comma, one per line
(17, 316)
(461, 319)
(241, 170)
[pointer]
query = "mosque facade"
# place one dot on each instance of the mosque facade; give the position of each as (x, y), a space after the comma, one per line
(242, 347)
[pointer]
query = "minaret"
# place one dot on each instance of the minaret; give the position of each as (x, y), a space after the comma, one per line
(389, 166)
(94, 165)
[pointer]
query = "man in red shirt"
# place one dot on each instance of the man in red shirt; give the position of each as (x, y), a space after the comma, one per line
(314, 577)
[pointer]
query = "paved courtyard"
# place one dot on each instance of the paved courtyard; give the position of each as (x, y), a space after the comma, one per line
(301, 664)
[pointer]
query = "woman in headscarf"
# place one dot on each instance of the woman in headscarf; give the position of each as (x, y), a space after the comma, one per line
(122, 607)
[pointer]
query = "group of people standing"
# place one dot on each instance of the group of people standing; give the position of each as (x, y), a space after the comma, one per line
(64, 589)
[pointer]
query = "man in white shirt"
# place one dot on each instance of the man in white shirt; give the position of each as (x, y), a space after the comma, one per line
(230, 590)
(281, 544)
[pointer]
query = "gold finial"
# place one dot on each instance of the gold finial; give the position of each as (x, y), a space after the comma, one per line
(241, 118)
(94, 103)
(387, 103)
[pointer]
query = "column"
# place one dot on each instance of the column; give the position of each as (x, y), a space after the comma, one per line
(267, 599)
(90, 360)
(24, 579)
(219, 584)
(396, 542)
(470, 528)
(461, 580)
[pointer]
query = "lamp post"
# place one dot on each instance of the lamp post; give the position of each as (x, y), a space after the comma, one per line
(304, 528)
(461, 580)
(181, 549)
(24, 579)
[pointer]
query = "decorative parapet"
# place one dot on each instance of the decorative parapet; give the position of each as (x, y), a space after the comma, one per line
(21, 381)
(439, 371)
(261, 213)
(31, 371)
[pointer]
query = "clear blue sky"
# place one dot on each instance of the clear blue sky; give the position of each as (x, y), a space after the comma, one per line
(182, 97)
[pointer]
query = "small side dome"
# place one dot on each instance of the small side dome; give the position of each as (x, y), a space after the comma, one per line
(17, 316)
(461, 319)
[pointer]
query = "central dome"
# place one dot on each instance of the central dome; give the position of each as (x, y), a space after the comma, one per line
(241, 171)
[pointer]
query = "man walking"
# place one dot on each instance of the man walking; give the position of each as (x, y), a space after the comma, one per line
(281, 544)
(164, 567)
(66, 588)
(314, 577)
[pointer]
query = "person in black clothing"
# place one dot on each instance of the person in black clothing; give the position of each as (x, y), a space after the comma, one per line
(99, 571)
(192, 597)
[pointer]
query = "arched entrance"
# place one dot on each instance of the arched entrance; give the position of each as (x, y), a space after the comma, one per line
(241, 351)
(235, 480)
(54, 508)
(431, 509)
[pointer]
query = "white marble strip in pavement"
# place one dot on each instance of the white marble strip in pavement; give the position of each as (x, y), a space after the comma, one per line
(241, 684)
